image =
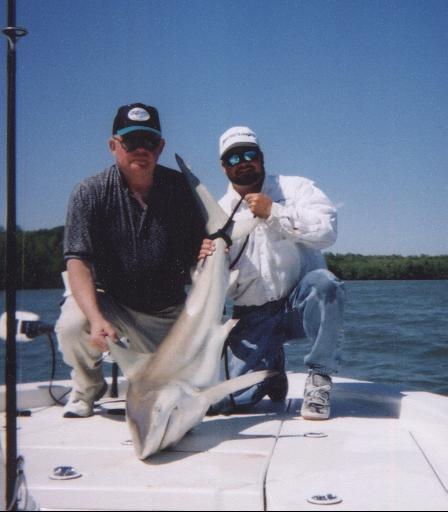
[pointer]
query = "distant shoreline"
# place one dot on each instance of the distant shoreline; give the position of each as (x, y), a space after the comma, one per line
(40, 263)
(357, 267)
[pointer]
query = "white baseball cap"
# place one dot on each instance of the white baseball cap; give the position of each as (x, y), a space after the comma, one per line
(237, 136)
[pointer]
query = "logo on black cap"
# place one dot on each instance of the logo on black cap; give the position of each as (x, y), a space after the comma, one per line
(138, 114)
(137, 117)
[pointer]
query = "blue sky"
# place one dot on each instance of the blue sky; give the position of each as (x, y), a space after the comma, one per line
(352, 94)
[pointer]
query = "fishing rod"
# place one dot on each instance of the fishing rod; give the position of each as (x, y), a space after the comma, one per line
(13, 466)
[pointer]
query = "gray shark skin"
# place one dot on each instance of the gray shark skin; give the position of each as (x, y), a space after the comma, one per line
(170, 391)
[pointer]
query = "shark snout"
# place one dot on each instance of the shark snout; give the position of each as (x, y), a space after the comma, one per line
(158, 419)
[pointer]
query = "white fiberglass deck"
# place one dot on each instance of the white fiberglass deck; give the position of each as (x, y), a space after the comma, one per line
(384, 450)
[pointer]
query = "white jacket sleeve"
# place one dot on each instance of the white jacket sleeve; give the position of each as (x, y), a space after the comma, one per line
(307, 215)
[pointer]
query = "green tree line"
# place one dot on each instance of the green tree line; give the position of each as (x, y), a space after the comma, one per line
(39, 258)
(40, 263)
(354, 267)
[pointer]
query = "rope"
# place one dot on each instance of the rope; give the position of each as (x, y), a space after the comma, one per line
(53, 372)
(222, 233)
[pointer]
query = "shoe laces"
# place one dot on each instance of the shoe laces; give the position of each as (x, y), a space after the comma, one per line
(318, 389)
(319, 395)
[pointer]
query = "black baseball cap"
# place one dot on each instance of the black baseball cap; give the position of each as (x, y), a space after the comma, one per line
(137, 117)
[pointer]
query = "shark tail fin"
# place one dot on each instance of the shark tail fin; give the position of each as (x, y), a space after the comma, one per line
(214, 216)
(219, 391)
(243, 228)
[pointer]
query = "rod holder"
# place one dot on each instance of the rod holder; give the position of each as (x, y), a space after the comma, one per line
(13, 33)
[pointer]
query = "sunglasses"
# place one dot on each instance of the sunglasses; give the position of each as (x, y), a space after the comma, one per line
(246, 156)
(130, 144)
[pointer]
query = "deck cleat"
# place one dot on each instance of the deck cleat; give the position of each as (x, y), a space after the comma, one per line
(324, 499)
(65, 473)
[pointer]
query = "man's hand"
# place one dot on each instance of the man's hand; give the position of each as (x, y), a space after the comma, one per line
(99, 331)
(259, 204)
(207, 249)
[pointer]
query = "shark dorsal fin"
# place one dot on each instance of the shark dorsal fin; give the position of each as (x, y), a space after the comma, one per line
(127, 359)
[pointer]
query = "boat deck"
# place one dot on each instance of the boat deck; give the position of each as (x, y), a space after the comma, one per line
(382, 449)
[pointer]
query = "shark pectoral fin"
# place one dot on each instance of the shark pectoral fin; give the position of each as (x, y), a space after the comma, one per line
(219, 391)
(128, 360)
(220, 334)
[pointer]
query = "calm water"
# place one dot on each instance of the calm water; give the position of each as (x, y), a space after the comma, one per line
(396, 333)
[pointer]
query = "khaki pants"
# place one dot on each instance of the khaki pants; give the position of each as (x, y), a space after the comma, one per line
(144, 331)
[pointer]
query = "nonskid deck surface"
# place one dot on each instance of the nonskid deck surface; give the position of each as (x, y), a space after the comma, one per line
(382, 449)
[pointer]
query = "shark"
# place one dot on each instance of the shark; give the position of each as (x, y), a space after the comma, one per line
(170, 390)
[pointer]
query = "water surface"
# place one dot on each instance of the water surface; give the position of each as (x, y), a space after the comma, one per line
(396, 333)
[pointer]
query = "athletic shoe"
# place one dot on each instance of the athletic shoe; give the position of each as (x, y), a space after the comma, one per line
(78, 406)
(316, 397)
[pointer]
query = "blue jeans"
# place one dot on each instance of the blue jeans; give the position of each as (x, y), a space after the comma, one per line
(314, 309)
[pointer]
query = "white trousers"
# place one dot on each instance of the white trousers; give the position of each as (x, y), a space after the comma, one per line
(144, 331)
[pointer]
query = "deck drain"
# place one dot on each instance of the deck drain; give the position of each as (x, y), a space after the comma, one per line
(64, 473)
(324, 499)
(316, 435)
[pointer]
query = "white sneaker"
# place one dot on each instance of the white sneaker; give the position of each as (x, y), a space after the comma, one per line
(316, 397)
(78, 406)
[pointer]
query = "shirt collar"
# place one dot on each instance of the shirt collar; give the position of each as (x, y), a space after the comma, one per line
(122, 181)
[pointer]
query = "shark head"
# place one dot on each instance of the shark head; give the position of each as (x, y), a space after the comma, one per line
(161, 416)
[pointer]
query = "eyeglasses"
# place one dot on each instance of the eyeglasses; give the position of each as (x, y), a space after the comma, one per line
(246, 156)
(130, 144)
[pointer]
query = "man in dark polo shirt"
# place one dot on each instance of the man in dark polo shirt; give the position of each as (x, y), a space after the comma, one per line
(132, 233)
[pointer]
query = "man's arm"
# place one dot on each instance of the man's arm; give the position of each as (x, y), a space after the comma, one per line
(78, 250)
(307, 216)
(83, 288)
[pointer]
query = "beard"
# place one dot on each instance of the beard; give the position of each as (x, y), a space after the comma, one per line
(248, 177)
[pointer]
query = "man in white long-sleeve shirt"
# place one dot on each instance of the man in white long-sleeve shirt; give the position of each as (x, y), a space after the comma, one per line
(283, 290)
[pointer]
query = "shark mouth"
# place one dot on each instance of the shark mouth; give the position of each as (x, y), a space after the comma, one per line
(162, 444)
(146, 443)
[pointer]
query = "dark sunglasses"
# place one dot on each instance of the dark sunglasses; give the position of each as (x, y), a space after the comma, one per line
(130, 144)
(246, 156)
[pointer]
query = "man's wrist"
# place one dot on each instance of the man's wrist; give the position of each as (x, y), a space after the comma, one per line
(277, 211)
